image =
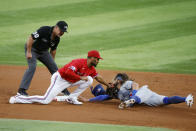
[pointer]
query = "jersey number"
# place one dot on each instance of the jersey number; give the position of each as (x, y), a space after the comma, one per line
(35, 34)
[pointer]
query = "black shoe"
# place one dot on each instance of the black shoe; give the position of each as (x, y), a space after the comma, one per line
(66, 92)
(22, 91)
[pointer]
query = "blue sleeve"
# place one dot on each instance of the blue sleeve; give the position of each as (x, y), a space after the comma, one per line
(99, 98)
(134, 92)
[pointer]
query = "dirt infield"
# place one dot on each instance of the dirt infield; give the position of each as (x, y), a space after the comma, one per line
(177, 116)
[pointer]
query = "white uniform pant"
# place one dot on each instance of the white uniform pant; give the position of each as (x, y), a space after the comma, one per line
(57, 85)
(149, 97)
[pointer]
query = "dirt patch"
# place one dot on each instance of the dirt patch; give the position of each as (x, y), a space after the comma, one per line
(177, 116)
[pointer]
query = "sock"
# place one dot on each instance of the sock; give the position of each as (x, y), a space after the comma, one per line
(99, 98)
(173, 100)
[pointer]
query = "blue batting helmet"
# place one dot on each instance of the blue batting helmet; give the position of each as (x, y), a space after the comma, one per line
(98, 90)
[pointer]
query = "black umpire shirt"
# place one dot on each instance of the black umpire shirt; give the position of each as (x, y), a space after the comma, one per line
(42, 39)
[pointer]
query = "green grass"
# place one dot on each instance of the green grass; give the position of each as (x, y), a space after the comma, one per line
(137, 35)
(36, 125)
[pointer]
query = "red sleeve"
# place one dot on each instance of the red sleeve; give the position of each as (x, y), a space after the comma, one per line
(71, 70)
(71, 74)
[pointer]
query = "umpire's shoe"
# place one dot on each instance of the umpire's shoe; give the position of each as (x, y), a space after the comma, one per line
(22, 91)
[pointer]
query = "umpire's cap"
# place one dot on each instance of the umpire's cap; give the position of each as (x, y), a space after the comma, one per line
(62, 25)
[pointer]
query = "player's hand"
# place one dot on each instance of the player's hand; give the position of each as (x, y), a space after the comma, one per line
(83, 99)
(85, 78)
(110, 85)
(29, 55)
(115, 82)
(135, 86)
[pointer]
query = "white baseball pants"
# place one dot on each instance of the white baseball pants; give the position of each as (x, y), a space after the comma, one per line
(57, 85)
(149, 97)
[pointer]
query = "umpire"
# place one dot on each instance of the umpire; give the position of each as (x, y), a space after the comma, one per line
(37, 46)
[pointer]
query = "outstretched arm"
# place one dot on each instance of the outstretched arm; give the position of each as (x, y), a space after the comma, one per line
(94, 99)
(99, 98)
(83, 99)
(99, 79)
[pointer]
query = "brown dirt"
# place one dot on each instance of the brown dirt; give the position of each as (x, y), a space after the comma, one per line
(177, 116)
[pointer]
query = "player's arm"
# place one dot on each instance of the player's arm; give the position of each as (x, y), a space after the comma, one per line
(53, 53)
(99, 79)
(36, 35)
(29, 46)
(53, 50)
(135, 86)
(83, 99)
(99, 98)
(94, 99)
(71, 72)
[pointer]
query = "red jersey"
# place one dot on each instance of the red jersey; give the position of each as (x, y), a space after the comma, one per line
(76, 68)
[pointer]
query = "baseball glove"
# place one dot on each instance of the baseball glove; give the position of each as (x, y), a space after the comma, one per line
(112, 92)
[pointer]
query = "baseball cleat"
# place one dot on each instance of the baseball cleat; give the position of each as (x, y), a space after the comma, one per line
(129, 103)
(189, 100)
(73, 101)
(12, 100)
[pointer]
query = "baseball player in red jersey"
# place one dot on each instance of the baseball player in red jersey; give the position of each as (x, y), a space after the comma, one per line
(79, 72)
